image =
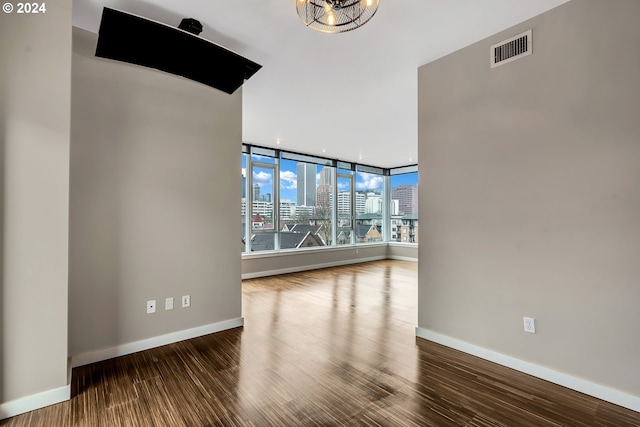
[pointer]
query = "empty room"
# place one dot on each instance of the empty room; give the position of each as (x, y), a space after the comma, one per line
(319, 212)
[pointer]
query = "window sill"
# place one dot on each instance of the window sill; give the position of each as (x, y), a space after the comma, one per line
(288, 252)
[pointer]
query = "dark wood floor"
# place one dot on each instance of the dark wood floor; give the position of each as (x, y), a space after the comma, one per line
(331, 347)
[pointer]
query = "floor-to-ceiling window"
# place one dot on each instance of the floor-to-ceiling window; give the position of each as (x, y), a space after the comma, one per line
(403, 183)
(306, 212)
(295, 201)
(261, 222)
(370, 204)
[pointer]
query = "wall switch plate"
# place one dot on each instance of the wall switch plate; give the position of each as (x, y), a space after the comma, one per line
(530, 325)
(186, 301)
(151, 306)
(168, 303)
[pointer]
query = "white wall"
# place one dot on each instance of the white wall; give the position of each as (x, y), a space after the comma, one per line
(152, 202)
(531, 197)
(35, 75)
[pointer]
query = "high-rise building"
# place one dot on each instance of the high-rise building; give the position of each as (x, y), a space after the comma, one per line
(306, 188)
(395, 207)
(373, 203)
(326, 176)
(344, 203)
(323, 192)
(407, 197)
(361, 200)
(287, 210)
(256, 192)
(323, 197)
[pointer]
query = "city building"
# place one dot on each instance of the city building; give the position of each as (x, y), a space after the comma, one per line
(287, 210)
(324, 189)
(306, 185)
(407, 197)
(373, 203)
(326, 176)
(323, 196)
(256, 192)
(409, 229)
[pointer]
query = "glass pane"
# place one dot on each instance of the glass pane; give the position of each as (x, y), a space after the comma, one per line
(404, 208)
(261, 242)
(369, 203)
(324, 203)
(262, 192)
(263, 159)
(403, 169)
(344, 166)
(305, 158)
(243, 212)
(344, 237)
(371, 170)
(344, 202)
(305, 210)
(263, 151)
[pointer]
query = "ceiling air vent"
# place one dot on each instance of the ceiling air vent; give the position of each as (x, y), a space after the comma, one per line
(511, 49)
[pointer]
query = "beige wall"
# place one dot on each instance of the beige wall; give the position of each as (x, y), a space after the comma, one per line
(151, 159)
(35, 74)
(530, 194)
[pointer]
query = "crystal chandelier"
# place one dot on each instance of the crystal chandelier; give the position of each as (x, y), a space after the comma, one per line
(336, 16)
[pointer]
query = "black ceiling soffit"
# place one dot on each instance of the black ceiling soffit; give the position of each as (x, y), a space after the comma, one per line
(136, 40)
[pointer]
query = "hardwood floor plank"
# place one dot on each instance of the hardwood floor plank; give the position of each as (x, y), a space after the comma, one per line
(333, 347)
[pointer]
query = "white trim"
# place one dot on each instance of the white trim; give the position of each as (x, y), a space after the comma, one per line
(575, 383)
(34, 401)
(402, 258)
(146, 344)
(300, 268)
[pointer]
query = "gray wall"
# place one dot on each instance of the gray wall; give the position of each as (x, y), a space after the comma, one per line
(257, 265)
(402, 252)
(152, 156)
(530, 194)
(35, 74)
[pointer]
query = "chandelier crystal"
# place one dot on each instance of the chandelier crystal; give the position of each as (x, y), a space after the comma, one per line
(336, 16)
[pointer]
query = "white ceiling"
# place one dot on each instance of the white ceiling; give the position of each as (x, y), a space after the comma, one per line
(351, 96)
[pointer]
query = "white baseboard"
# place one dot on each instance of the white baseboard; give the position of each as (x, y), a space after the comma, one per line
(587, 387)
(300, 268)
(136, 346)
(403, 258)
(34, 401)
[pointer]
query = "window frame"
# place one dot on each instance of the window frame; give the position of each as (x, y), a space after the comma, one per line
(271, 160)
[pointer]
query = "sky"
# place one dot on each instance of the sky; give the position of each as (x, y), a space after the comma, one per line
(288, 179)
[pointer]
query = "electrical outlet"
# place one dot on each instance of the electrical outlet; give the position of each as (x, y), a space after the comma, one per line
(151, 306)
(529, 325)
(168, 303)
(186, 301)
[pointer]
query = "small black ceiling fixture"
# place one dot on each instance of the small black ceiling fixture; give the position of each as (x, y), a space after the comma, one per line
(191, 25)
(137, 40)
